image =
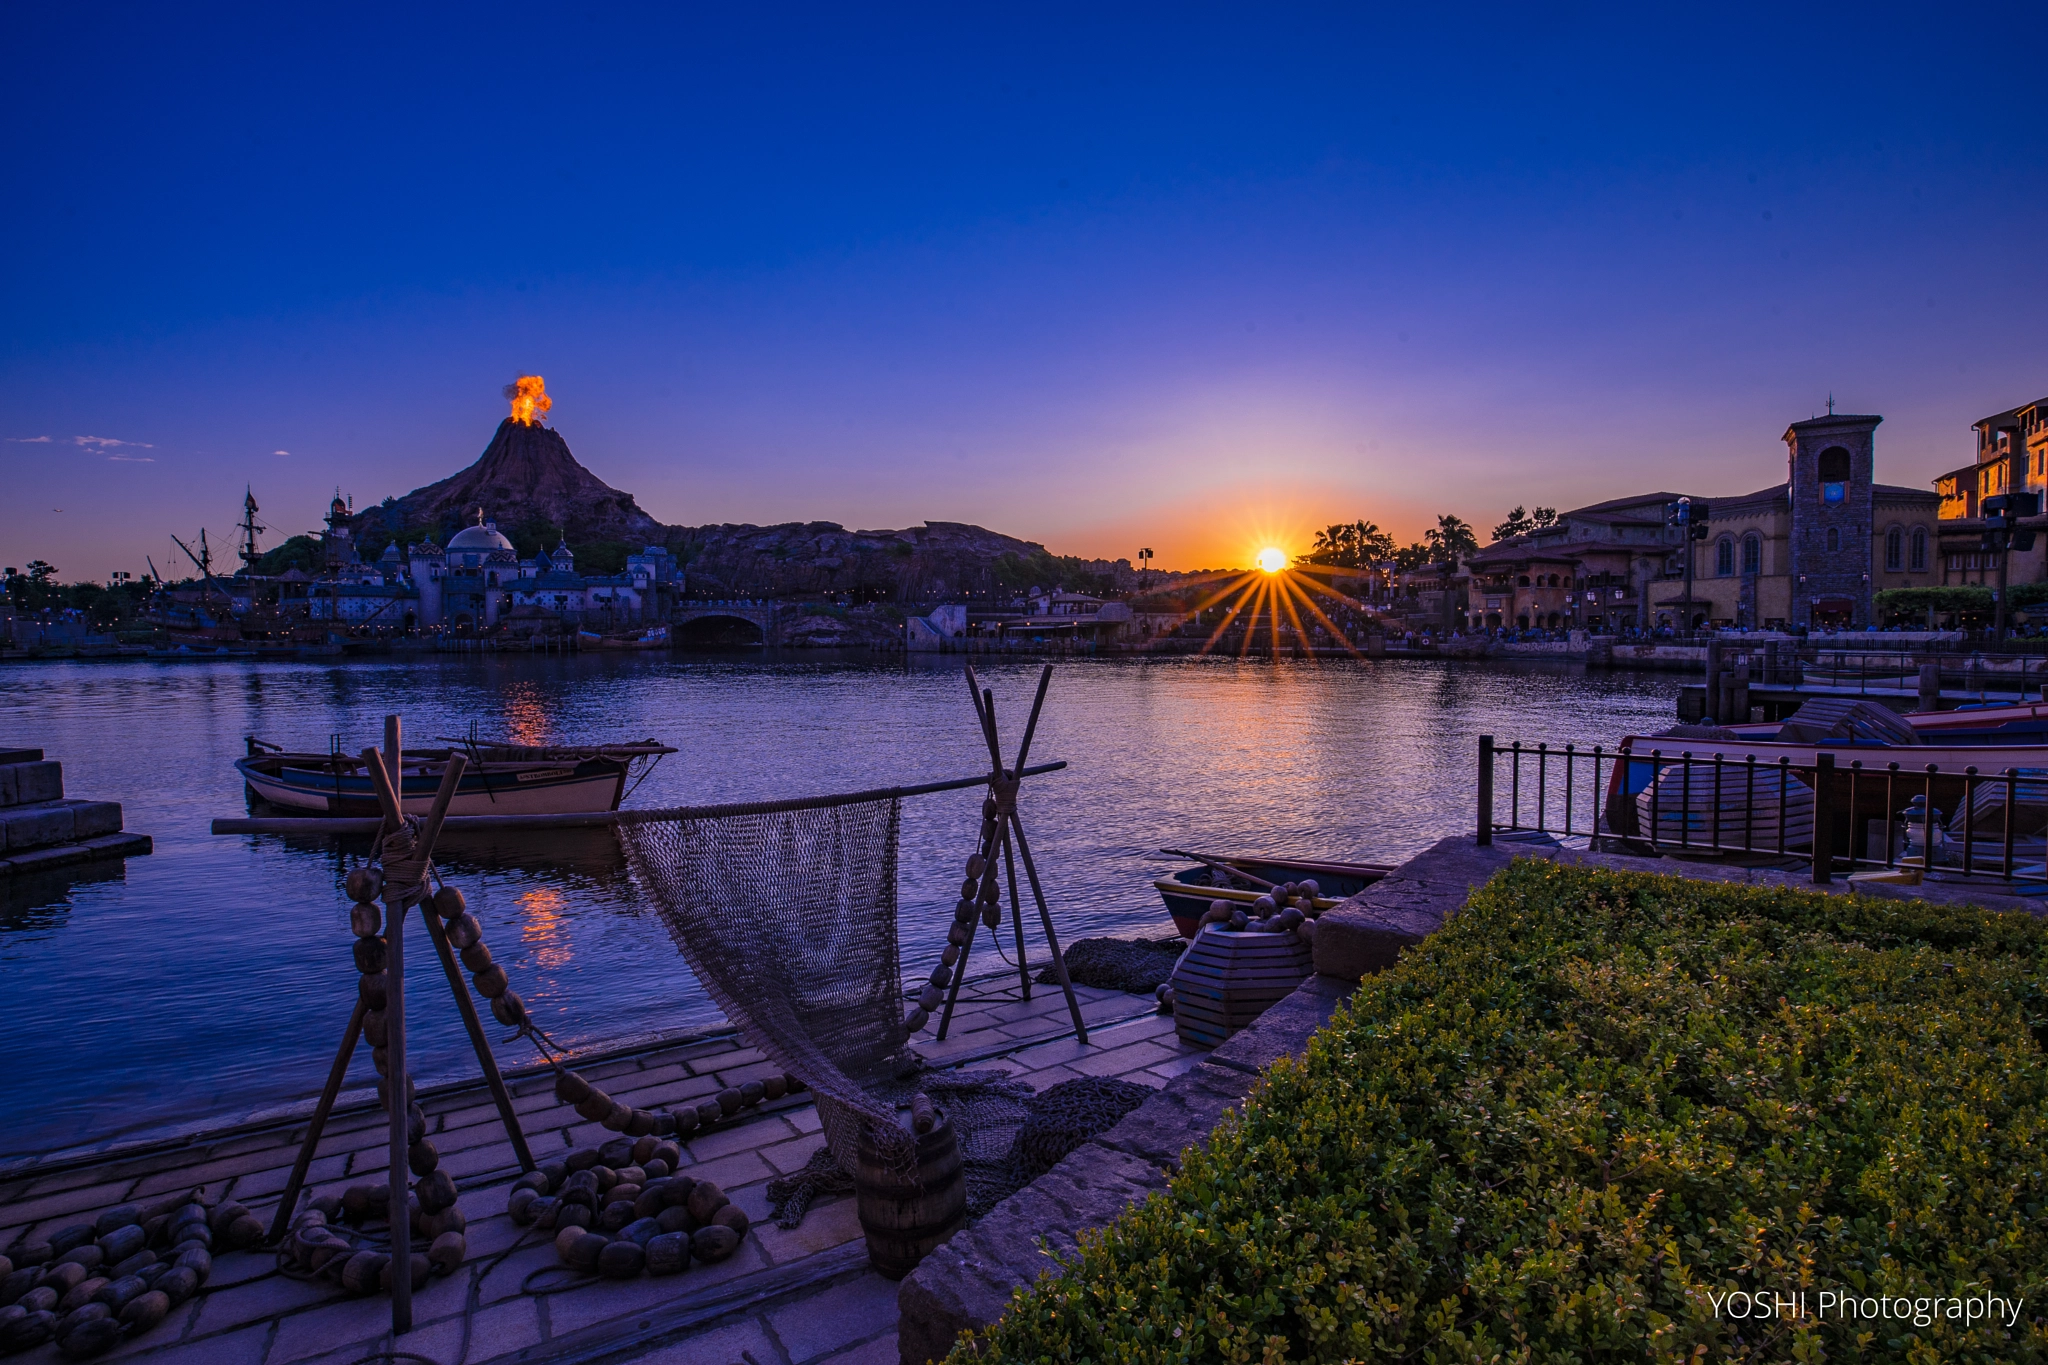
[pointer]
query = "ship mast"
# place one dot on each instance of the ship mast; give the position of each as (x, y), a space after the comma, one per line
(249, 553)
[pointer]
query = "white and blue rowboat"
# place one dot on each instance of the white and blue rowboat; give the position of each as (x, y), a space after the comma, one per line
(502, 779)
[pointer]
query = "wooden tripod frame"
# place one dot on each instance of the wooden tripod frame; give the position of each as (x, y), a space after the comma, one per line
(1008, 841)
(384, 772)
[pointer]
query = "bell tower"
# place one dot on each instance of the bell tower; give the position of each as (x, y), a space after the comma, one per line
(1832, 461)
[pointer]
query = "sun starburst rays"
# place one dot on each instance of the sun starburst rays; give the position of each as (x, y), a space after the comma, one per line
(1261, 597)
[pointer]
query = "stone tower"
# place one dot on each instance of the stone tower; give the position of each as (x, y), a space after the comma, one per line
(1832, 461)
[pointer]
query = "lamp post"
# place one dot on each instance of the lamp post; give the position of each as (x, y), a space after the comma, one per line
(1689, 515)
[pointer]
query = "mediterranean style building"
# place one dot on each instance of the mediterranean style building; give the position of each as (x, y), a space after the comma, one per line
(478, 583)
(2012, 457)
(1809, 552)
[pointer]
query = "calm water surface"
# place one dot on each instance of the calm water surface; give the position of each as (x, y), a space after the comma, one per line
(213, 978)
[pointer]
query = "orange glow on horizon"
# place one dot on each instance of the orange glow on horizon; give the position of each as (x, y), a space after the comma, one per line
(529, 398)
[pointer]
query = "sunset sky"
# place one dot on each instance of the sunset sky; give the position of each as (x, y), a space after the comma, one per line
(1190, 277)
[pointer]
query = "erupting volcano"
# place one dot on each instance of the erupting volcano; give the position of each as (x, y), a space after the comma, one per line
(525, 475)
(529, 397)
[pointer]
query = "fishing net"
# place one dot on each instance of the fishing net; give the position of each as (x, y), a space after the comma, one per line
(788, 919)
(1119, 964)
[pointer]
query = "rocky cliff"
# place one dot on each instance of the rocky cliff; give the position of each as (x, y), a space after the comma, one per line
(928, 561)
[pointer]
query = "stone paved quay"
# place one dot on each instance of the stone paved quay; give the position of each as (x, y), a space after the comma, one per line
(786, 1297)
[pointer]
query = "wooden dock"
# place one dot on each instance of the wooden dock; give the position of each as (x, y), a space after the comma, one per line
(788, 1297)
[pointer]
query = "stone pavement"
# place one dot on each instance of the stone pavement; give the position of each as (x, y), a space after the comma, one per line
(786, 1298)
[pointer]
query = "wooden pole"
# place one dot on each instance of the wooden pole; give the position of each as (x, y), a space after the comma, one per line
(1059, 961)
(397, 1100)
(390, 784)
(1002, 841)
(1016, 914)
(474, 1025)
(318, 1123)
(611, 819)
(1037, 705)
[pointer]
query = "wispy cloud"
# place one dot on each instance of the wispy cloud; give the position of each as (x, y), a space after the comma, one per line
(96, 442)
(280, 452)
(134, 459)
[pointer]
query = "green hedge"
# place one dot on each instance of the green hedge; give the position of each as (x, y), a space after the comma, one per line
(1588, 1105)
(1971, 599)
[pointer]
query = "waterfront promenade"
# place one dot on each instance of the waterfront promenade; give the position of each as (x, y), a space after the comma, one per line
(787, 1297)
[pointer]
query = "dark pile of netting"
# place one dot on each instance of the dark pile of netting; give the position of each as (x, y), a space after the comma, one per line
(1008, 1136)
(1120, 964)
(1067, 1115)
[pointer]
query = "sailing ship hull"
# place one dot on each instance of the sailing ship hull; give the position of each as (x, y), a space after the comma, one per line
(595, 784)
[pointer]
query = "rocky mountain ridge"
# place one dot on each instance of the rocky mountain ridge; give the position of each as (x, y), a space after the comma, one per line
(527, 478)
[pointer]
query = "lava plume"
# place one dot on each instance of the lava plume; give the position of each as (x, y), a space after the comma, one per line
(530, 401)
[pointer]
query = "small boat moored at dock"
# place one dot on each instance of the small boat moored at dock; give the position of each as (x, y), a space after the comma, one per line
(502, 779)
(1243, 880)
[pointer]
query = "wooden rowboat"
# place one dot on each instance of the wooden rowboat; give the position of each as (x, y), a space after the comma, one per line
(502, 779)
(1188, 893)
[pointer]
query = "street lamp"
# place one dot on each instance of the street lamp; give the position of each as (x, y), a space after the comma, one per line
(2002, 534)
(1144, 562)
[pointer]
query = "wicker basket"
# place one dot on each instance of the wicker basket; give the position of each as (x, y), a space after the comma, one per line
(1225, 980)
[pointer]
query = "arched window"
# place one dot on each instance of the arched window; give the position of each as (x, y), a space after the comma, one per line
(1834, 538)
(1834, 465)
(1919, 559)
(1894, 549)
(1522, 582)
(1752, 554)
(1724, 557)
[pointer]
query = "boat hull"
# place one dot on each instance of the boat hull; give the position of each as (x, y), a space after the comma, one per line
(1871, 783)
(538, 789)
(1188, 893)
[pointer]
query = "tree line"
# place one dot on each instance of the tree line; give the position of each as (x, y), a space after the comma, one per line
(1361, 545)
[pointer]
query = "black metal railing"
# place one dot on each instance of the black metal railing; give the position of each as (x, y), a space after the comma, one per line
(1685, 801)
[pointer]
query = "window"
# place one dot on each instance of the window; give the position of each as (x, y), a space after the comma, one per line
(1919, 559)
(1834, 538)
(1724, 557)
(1834, 465)
(1894, 549)
(1752, 554)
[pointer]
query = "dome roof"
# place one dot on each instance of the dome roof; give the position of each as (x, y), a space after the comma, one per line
(483, 536)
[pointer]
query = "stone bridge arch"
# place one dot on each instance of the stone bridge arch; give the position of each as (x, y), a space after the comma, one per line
(724, 625)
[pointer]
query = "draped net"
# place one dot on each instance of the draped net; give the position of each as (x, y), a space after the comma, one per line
(788, 920)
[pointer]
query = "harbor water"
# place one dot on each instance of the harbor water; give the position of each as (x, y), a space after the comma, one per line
(211, 981)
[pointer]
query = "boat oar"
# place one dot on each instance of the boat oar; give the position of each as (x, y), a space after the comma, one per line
(1220, 865)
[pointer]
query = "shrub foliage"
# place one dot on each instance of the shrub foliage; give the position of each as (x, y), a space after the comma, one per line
(1588, 1104)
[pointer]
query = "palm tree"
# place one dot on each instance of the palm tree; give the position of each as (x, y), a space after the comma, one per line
(1452, 539)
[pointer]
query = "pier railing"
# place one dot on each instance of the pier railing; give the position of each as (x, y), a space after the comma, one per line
(1836, 813)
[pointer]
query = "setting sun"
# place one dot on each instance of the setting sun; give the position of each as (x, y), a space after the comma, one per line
(1272, 559)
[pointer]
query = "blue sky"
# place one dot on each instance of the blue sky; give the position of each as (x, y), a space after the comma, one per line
(1191, 277)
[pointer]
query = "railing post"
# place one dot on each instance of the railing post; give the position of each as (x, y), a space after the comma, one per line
(1823, 818)
(1485, 790)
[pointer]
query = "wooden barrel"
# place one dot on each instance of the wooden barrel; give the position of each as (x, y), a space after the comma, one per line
(1225, 980)
(907, 1213)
